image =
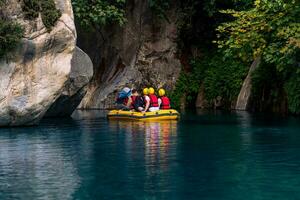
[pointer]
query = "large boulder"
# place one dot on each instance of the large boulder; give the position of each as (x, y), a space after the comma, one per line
(36, 75)
(76, 87)
(140, 53)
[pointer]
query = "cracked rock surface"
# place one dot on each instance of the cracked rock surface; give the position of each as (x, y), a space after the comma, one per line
(140, 53)
(76, 87)
(35, 75)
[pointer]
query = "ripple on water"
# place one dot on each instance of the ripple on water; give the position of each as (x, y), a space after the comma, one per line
(203, 156)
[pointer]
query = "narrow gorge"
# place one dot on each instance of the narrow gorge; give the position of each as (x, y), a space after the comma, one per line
(177, 45)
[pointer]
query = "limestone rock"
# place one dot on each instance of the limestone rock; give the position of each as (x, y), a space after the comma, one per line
(141, 53)
(76, 87)
(245, 93)
(36, 74)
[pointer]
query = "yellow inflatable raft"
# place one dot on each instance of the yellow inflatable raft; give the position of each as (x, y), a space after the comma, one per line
(170, 114)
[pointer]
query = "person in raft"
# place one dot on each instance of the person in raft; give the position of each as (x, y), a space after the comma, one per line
(134, 96)
(139, 101)
(163, 100)
(142, 103)
(124, 101)
(151, 100)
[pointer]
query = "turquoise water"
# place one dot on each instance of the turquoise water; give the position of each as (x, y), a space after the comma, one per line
(203, 156)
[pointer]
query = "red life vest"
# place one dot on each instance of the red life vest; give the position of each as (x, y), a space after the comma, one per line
(125, 101)
(153, 100)
(133, 98)
(165, 103)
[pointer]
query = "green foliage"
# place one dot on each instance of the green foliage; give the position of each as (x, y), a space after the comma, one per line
(224, 78)
(271, 29)
(50, 14)
(47, 8)
(160, 7)
(198, 20)
(99, 12)
(212, 7)
(10, 36)
(31, 9)
(219, 77)
(267, 83)
(2, 2)
(292, 87)
(187, 84)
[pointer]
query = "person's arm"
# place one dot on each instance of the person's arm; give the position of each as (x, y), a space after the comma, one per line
(159, 102)
(147, 104)
(129, 102)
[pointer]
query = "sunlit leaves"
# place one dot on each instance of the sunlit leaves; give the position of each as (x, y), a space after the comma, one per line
(270, 29)
(99, 12)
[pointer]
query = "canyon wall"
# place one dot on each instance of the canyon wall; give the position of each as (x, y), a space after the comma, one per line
(140, 53)
(34, 76)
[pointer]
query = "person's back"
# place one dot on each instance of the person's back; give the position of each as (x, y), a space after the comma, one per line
(123, 100)
(164, 101)
(153, 100)
(133, 98)
(139, 103)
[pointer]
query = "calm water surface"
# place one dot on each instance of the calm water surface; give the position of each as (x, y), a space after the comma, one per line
(203, 156)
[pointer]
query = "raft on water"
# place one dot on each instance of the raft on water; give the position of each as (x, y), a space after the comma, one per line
(169, 114)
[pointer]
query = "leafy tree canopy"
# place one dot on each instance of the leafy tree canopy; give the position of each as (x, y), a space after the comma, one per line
(271, 29)
(99, 12)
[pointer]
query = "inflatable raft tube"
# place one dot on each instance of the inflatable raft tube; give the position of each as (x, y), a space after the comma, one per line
(170, 114)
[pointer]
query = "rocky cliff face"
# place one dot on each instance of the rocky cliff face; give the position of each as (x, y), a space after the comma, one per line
(36, 75)
(141, 53)
(76, 86)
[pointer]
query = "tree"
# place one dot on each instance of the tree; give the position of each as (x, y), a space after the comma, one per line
(270, 29)
(99, 12)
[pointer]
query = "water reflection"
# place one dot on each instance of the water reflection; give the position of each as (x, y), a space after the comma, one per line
(155, 155)
(205, 156)
(36, 163)
(157, 136)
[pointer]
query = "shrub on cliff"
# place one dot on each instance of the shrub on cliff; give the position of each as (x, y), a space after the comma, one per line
(99, 12)
(50, 14)
(10, 36)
